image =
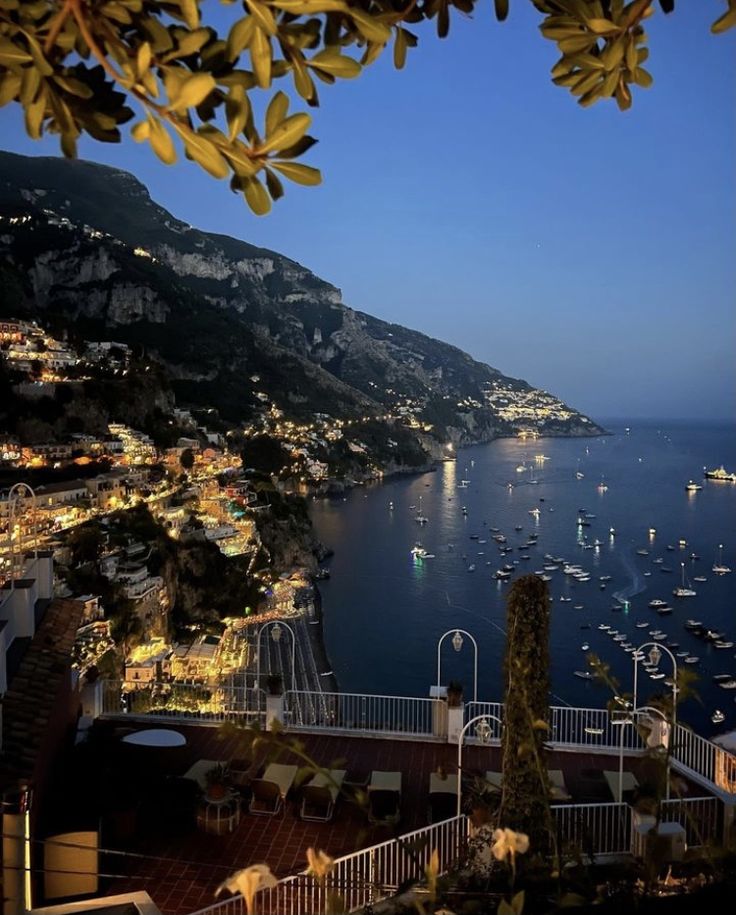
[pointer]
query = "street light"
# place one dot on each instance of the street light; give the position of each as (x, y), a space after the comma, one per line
(484, 731)
(655, 656)
(457, 644)
(276, 633)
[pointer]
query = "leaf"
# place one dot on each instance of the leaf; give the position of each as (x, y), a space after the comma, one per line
(613, 54)
(331, 61)
(369, 27)
(602, 26)
(11, 54)
(205, 154)
(290, 131)
(263, 15)
(161, 142)
(643, 78)
(237, 110)
(277, 110)
(260, 56)
(504, 908)
(34, 114)
(39, 60)
(240, 36)
(74, 86)
(725, 22)
(623, 95)
(300, 174)
(400, 49)
(141, 131)
(190, 12)
(143, 58)
(517, 903)
(193, 91)
(311, 7)
(502, 9)
(276, 190)
(9, 88)
(256, 197)
(576, 43)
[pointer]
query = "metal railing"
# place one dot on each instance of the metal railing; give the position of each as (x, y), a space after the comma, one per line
(194, 702)
(362, 878)
(702, 818)
(398, 716)
(594, 829)
(589, 729)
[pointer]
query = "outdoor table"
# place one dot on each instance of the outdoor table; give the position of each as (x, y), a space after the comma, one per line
(440, 785)
(155, 737)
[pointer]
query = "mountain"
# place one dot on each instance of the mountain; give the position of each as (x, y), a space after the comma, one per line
(85, 249)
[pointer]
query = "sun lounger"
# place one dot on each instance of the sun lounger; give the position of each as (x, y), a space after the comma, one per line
(558, 787)
(442, 797)
(320, 794)
(629, 783)
(270, 790)
(198, 771)
(384, 798)
(556, 778)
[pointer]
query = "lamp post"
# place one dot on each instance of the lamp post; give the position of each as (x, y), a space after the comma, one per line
(276, 633)
(457, 644)
(484, 732)
(655, 655)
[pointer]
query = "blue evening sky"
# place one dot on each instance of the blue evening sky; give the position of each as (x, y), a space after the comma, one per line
(588, 251)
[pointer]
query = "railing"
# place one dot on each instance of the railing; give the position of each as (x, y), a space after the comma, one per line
(702, 818)
(594, 829)
(362, 878)
(198, 703)
(358, 713)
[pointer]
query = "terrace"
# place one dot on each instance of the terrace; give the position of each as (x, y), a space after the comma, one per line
(155, 839)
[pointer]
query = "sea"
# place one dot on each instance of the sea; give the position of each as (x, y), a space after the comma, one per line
(385, 611)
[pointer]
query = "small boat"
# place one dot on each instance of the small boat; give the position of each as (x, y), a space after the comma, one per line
(657, 603)
(718, 567)
(642, 552)
(721, 475)
(501, 575)
(656, 675)
(390, 506)
(642, 625)
(471, 567)
(521, 468)
(721, 644)
(579, 475)
(604, 578)
(647, 574)
(585, 647)
(691, 659)
(700, 578)
(584, 674)
(718, 716)
(727, 684)
(577, 606)
(684, 591)
(664, 611)
(419, 517)
(693, 624)
(692, 486)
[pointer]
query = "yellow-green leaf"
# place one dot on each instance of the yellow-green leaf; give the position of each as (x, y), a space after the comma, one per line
(190, 12)
(141, 131)
(725, 22)
(613, 54)
(643, 78)
(260, 56)
(9, 88)
(311, 7)
(400, 49)
(369, 27)
(143, 58)
(257, 197)
(301, 174)
(331, 61)
(240, 36)
(277, 110)
(11, 54)
(161, 143)
(34, 116)
(237, 110)
(37, 54)
(73, 86)
(290, 131)
(205, 154)
(193, 91)
(602, 26)
(263, 15)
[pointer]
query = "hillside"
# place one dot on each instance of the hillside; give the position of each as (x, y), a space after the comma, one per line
(84, 249)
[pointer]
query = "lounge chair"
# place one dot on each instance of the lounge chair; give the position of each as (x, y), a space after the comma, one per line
(270, 790)
(629, 783)
(320, 794)
(384, 798)
(198, 771)
(442, 797)
(494, 779)
(558, 787)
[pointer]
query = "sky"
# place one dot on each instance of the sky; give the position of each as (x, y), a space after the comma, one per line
(588, 251)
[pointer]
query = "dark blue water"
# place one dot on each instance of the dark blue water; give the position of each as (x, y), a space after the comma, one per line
(384, 611)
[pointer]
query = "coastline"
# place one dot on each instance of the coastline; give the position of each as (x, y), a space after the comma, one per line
(317, 640)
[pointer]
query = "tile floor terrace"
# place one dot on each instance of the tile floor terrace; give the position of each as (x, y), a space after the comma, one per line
(181, 866)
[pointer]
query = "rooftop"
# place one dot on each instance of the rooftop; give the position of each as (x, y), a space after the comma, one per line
(149, 820)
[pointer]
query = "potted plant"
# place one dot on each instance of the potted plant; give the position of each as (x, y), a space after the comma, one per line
(217, 780)
(480, 800)
(454, 694)
(274, 684)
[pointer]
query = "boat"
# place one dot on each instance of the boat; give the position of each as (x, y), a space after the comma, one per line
(642, 552)
(566, 600)
(727, 684)
(718, 567)
(692, 486)
(722, 678)
(419, 517)
(691, 659)
(471, 567)
(501, 575)
(584, 674)
(604, 578)
(657, 603)
(721, 475)
(718, 716)
(693, 624)
(390, 506)
(535, 512)
(663, 611)
(700, 578)
(721, 644)
(683, 591)
(418, 552)
(656, 675)
(585, 647)
(642, 625)
(521, 468)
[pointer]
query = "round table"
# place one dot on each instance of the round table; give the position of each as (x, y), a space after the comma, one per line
(155, 737)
